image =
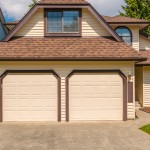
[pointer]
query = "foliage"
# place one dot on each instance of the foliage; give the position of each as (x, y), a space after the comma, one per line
(146, 128)
(137, 9)
(33, 3)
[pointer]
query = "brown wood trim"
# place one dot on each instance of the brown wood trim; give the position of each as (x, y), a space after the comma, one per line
(130, 92)
(98, 71)
(141, 65)
(46, 34)
(139, 59)
(148, 22)
(88, 6)
(31, 71)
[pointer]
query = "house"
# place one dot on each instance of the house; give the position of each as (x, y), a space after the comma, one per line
(63, 61)
(3, 30)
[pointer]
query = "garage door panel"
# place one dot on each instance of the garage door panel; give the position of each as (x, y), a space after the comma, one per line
(30, 97)
(98, 96)
(9, 90)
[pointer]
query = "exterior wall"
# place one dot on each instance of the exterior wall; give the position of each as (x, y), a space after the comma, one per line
(2, 32)
(144, 43)
(35, 25)
(64, 68)
(146, 86)
(139, 84)
(135, 35)
(90, 26)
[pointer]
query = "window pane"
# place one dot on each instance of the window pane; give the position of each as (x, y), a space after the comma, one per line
(54, 22)
(127, 40)
(71, 21)
(125, 34)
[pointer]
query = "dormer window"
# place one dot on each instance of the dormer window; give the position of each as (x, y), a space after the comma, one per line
(125, 34)
(63, 22)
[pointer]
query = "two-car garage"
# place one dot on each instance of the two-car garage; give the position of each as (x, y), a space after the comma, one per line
(90, 96)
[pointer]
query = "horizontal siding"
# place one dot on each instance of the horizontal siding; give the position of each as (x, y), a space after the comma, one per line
(64, 68)
(146, 87)
(144, 43)
(139, 84)
(91, 27)
(34, 26)
(135, 35)
(131, 111)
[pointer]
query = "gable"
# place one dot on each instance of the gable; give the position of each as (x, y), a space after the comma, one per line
(24, 28)
(35, 25)
(144, 43)
(91, 26)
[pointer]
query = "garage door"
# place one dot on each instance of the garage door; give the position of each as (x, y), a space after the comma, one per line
(30, 97)
(95, 96)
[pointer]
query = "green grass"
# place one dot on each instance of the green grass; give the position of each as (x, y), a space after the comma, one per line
(146, 128)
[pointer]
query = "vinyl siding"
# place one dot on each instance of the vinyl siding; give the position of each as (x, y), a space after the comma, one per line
(139, 84)
(146, 86)
(135, 35)
(131, 111)
(91, 27)
(64, 68)
(2, 32)
(144, 43)
(35, 25)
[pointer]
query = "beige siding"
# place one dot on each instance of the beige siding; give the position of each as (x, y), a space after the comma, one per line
(91, 27)
(146, 86)
(131, 111)
(139, 84)
(135, 35)
(64, 68)
(34, 26)
(144, 43)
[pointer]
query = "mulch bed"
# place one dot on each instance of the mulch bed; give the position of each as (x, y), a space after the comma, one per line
(145, 109)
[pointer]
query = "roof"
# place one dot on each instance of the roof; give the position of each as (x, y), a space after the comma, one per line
(126, 20)
(145, 53)
(63, 2)
(144, 34)
(75, 48)
(57, 5)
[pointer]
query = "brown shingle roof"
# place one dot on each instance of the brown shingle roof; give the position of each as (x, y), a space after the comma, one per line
(122, 19)
(145, 53)
(63, 2)
(67, 48)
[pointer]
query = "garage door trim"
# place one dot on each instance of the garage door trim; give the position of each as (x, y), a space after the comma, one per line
(31, 71)
(98, 71)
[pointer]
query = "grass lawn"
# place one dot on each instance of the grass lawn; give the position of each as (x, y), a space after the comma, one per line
(146, 128)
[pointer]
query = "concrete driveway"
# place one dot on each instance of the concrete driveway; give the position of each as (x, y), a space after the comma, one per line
(76, 136)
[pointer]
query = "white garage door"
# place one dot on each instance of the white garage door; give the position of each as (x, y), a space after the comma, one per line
(30, 97)
(96, 97)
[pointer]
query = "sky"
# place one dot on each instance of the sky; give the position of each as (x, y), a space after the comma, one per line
(16, 9)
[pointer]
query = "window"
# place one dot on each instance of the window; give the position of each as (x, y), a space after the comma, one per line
(125, 34)
(63, 22)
